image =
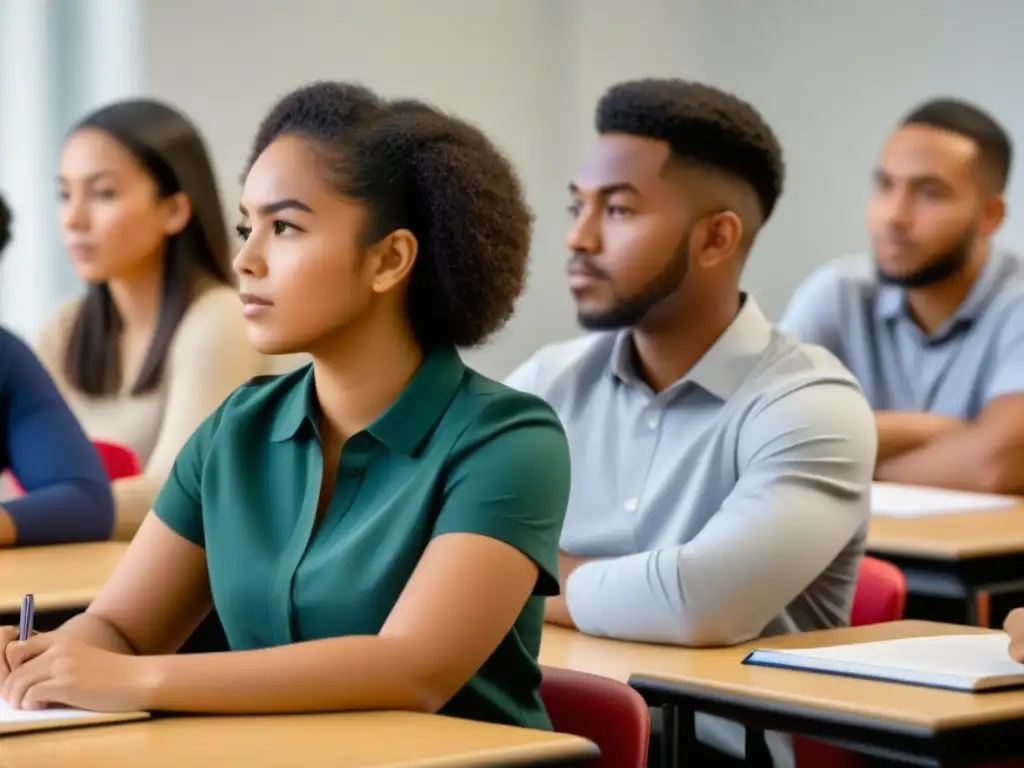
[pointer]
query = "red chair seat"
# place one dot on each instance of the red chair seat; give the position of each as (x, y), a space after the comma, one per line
(605, 711)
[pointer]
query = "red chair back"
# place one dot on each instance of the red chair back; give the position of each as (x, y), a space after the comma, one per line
(119, 460)
(881, 596)
(881, 593)
(602, 710)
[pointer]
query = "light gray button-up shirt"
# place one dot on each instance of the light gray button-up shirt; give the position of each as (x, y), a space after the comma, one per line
(731, 505)
(977, 355)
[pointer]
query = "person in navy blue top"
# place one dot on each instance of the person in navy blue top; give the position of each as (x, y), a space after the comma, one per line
(67, 492)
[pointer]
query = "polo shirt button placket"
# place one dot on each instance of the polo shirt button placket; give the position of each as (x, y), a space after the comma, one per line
(651, 421)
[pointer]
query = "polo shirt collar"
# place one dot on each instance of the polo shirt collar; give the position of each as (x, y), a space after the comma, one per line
(890, 302)
(406, 423)
(725, 366)
(296, 409)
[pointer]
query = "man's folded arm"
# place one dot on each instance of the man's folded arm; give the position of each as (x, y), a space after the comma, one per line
(805, 467)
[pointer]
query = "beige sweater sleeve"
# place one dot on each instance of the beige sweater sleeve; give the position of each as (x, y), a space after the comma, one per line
(210, 357)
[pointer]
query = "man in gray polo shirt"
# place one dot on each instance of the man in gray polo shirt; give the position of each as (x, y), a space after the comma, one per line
(933, 325)
(721, 470)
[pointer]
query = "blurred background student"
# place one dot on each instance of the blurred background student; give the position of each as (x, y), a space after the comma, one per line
(158, 339)
(67, 495)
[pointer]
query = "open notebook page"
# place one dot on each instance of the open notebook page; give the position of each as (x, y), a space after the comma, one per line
(964, 662)
(10, 715)
(16, 720)
(894, 500)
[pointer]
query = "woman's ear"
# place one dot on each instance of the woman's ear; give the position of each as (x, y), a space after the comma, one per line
(178, 213)
(392, 259)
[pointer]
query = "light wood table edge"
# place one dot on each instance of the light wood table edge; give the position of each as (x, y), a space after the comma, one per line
(57, 601)
(949, 537)
(654, 666)
(521, 747)
(61, 576)
(828, 711)
(552, 752)
(739, 697)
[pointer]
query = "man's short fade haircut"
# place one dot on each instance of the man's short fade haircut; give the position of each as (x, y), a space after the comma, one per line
(702, 125)
(995, 149)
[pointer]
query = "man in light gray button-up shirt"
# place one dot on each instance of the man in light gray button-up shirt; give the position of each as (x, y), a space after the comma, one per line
(721, 470)
(933, 325)
(726, 506)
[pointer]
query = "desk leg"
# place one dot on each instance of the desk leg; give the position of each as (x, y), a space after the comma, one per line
(756, 750)
(1010, 594)
(982, 609)
(675, 727)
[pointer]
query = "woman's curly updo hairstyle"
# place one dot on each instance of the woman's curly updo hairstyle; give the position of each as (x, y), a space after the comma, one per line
(417, 168)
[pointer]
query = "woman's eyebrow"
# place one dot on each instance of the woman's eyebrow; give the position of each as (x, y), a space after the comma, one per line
(289, 203)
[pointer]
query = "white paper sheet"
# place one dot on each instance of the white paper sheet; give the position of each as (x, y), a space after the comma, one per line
(893, 500)
(10, 715)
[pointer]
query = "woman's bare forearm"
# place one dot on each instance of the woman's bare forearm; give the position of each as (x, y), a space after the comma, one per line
(90, 629)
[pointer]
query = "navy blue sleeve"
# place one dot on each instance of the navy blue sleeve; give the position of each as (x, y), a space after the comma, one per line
(67, 491)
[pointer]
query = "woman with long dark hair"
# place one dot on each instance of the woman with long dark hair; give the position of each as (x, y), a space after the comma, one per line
(158, 340)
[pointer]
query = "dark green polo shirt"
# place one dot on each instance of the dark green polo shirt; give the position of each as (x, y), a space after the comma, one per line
(455, 452)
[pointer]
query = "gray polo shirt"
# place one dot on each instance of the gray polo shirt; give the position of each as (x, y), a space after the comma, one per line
(731, 505)
(977, 354)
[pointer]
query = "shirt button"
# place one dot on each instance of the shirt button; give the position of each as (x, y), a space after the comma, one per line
(630, 505)
(653, 421)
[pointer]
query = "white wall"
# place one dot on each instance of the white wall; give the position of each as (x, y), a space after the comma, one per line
(58, 59)
(26, 152)
(830, 77)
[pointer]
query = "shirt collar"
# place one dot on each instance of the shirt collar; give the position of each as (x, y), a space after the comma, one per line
(724, 367)
(890, 302)
(406, 423)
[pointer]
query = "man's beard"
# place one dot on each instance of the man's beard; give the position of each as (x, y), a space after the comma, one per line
(941, 268)
(629, 312)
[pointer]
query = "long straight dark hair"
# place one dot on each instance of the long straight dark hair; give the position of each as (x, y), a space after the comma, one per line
(171, 150)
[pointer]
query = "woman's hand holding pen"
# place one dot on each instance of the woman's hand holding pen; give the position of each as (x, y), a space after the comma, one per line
(48, 669)
(8, 635)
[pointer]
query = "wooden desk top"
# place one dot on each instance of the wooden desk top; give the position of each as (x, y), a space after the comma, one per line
(353, 740)
(62, 576)
(720, 670)
(949, 537)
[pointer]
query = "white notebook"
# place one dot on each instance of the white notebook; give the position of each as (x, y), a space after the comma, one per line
(973, 663)
(20, 720)
(894, 500)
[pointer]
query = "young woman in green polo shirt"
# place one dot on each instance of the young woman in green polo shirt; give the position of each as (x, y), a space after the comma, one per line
(379, 528)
